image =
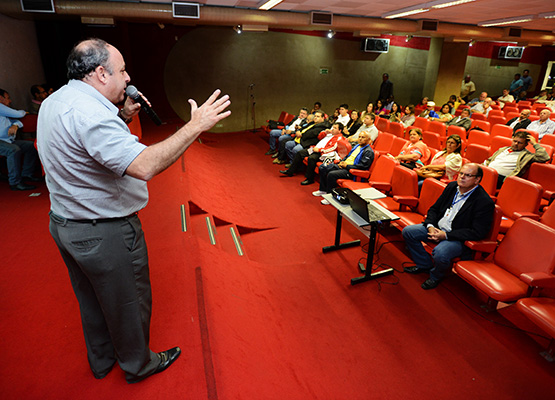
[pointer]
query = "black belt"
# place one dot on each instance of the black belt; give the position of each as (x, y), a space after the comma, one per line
(100, 220)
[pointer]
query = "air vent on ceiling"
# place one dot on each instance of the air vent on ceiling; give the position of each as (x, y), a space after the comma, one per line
(428, 25)
(186, 10)
(514, 32)
(45, 6)
(371, 45)
(511, 52)
(320, 18)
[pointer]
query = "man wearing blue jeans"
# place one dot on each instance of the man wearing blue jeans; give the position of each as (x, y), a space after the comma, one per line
(16, 150)
(464, 211)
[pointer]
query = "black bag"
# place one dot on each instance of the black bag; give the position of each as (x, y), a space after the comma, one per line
(275, 124)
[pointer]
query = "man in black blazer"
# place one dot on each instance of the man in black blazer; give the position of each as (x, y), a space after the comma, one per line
(464, 211)
(520, 122)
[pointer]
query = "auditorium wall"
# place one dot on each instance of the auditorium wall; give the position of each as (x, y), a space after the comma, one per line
(20, 63)
(288, 71)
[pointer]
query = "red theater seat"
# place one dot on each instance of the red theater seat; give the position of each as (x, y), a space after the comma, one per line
(541, 311)
(379, 178)
(514, 272)
(518, 198)
(404, 182)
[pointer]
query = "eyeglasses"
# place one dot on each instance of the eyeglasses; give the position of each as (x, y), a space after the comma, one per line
(462, 175)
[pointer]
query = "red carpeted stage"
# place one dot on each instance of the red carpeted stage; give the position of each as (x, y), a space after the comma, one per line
(279, 322)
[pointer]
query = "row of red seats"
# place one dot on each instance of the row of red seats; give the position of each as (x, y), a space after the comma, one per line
(517, 198)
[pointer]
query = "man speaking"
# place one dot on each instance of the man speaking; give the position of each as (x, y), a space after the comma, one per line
(96, 173)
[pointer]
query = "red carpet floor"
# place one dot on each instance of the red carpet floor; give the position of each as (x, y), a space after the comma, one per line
(280, 322)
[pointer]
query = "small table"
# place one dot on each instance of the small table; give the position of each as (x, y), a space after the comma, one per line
(345, 210)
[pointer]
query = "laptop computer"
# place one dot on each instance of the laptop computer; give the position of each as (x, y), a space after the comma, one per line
(367, 210)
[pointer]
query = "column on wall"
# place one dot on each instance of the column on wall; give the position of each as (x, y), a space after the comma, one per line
(451, 71)
(432, 68)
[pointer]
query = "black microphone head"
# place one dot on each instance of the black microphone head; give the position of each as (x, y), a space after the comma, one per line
(132, 91)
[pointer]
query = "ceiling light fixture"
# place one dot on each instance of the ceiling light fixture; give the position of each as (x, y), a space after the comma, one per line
(444, 4)
(408, 38)
(471, 42)
(238, 29)
(547, 15)
(331, 34)
(404, 12)
(506, 21)
(267, 4)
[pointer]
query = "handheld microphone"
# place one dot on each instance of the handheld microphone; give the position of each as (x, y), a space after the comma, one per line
(132, 92)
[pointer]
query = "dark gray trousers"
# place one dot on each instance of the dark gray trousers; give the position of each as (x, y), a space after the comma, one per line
(107, 262)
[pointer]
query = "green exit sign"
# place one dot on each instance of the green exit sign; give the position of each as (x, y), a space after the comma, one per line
(324, 71)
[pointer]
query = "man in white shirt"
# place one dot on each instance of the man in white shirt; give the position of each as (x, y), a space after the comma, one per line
(514, 160)
(344, 116)
(368, 127)
(544, 125)
(506, 98)
(482, 107)
(292, 127)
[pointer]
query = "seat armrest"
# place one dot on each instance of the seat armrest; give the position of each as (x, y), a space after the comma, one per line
(482, 246)
(533, 216)
(381, 186)
(539, 279)
(410, 201)
(361, 173)
(549, 195)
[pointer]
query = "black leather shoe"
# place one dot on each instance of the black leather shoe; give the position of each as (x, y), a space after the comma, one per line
(414, 270)
(307, 182)
(31, 179)
(22, 186)
(270, 152)
(166, 359)
(430, 283)
(286, 172)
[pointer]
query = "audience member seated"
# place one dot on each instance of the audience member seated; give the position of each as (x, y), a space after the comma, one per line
(325, 151)
(467, 88)
(333, 118)
(541, 96)
(284, 139)
(522, 96)
(395, 113)
(544, 125)
(288, 130)
(415, 152)
(309, 137)
(516, 159)
(505, 98)
(445, 164)
(14, 150)
(39, 94)
(354, 123)
(456, 102)
(516, 86)
(360, 157)
(368, 127)
(369, 110)
(343, 114)
(444, 115)
(317, 106)
(429, 112)
(462, 120)
(482, 107)
(520, 122)
(380, 108)
(464, 211)
(483, 96)
(409, 117)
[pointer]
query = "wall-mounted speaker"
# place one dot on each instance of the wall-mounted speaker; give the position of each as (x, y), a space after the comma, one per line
(45, 6)
(186, 10)
(510, 52)
(371, 45)
(320, 18)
